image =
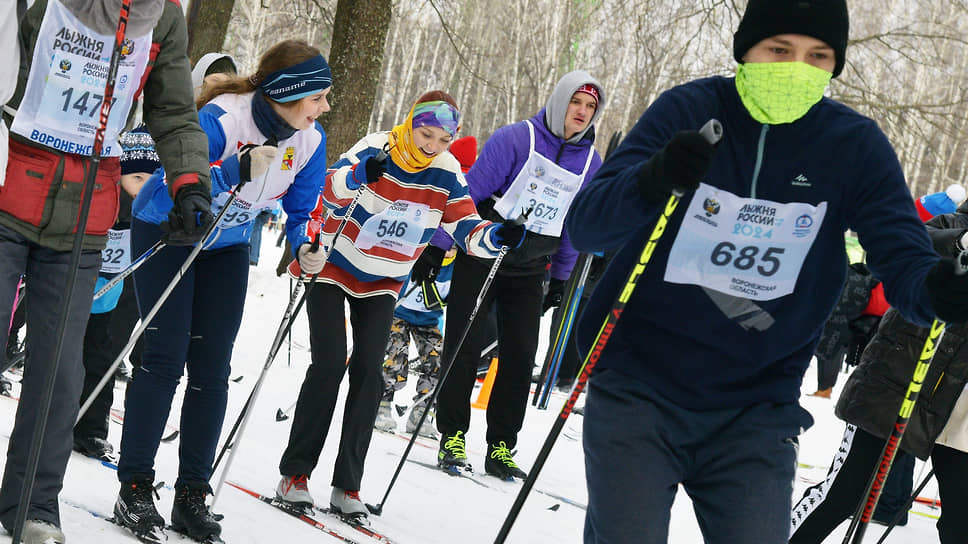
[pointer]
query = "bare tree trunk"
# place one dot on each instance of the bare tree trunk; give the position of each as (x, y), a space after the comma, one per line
(356, 58)
(208, 21)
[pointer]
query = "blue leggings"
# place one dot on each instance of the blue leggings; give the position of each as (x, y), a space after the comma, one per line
(196, 327)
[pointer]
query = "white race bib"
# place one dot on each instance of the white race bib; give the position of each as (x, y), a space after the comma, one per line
(62, 101)
(240, 212)
(543, 187)
(116, 255)
(745, 247)
(399, 227)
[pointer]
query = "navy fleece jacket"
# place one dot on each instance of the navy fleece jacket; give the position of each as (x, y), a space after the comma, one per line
(671, 335)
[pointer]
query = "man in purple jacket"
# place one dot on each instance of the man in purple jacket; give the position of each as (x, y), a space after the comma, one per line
(540, 164)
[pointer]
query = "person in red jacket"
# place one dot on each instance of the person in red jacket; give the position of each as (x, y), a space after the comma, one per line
(52, 117)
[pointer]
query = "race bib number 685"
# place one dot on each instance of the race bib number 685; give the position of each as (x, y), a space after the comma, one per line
(745, 247)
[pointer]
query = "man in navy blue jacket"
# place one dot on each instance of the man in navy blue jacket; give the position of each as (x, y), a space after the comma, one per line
(700, 380)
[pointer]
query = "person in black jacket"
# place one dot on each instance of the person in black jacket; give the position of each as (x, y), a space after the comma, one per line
(938, 426)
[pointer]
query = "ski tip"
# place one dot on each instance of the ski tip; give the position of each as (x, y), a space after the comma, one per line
(554, 507)
(171, 437)
(238, 378)
(375, 509)
(280, 415)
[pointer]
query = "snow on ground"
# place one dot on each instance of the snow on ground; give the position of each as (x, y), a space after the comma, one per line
(424, 506)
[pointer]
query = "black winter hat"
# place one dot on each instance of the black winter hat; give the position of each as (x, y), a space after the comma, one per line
(825, 20)
(138, 152)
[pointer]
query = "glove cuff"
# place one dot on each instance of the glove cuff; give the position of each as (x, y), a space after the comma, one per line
(196, 188)
(433, 254)
(184, 180)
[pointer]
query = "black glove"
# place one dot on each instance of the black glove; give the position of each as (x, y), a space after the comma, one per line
(552, 299)
(510, 234)
(427, 265)
(370, 170)
(949, 292)
(678, 167)
(190, 217)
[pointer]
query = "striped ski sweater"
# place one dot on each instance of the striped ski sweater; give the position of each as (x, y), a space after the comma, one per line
(380, 242)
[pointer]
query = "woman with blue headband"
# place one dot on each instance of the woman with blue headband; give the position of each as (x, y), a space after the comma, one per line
(399, 203)
(262, 132)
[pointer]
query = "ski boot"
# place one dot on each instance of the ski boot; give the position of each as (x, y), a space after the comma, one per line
(41, 532)
(190, 515)
(427, 429)
(95, 448)
(384, 418)
(135, 510)
(452, 457)
(347, 505)
(294, 492)
(499, 463)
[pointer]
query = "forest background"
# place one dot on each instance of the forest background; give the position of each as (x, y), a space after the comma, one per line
(907, 62)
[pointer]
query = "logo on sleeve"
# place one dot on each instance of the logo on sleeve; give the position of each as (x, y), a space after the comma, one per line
(287, 158)
(801, 181)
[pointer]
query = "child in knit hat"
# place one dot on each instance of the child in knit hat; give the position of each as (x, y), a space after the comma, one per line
(114, 314)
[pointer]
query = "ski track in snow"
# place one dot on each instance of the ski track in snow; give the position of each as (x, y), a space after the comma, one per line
(423, 507)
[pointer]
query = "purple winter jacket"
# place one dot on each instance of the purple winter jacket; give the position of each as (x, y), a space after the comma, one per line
(502, 157)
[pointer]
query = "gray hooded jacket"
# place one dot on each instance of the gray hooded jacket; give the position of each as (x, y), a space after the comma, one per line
(102, 15)
(557, 105)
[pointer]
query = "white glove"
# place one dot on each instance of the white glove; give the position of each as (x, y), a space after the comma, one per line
(311, 262)
(963, 241)
(255, 160)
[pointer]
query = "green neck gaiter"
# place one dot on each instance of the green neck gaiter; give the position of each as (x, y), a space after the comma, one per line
(780, 92)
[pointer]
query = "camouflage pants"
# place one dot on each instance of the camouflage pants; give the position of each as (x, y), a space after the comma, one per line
(429, 342)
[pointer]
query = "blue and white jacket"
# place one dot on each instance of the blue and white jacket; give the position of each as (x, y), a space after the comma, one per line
(671, 336)
(296, 177)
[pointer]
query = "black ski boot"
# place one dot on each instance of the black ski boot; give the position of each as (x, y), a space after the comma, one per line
(499, 463)
(135, 510)
(190, 515)
(452, 457)
(96, 448)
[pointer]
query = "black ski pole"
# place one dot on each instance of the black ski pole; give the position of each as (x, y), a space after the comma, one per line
(43, 411)
(284, 327)
(289, 334)
(712, 131)
(377, 509)
(868, 503)
(907, 506)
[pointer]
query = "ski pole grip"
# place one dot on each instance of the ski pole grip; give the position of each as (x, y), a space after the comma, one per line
(712, 131)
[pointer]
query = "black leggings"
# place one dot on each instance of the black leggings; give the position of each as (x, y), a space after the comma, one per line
(371, 318)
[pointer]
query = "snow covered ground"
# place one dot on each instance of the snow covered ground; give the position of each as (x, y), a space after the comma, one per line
(424, 506)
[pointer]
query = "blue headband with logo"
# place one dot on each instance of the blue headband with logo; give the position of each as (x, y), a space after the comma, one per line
(298, 81)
